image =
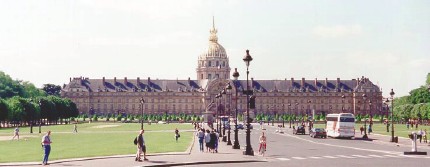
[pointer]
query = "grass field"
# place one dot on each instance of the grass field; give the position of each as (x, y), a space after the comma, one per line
(399, 129)
(95, 139)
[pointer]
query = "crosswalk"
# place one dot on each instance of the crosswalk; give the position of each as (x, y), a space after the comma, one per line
(346, 156)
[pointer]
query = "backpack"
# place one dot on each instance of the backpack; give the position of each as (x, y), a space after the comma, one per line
(135, 141)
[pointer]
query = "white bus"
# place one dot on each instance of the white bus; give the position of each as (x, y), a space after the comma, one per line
(340, 125)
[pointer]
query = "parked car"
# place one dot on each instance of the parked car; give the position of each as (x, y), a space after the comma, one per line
(241, 126)
(318, 132)
(299, 130)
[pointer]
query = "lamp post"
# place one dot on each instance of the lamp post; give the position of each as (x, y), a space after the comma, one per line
(40, 119)
(289, 112)
(365, 120)
(219, 114)
(224, 137)
(228, 88)
(296, 112)
(387, 102)
(283, 118)
(236, 136)
(141, 112)
(247, 59)
(392, 115)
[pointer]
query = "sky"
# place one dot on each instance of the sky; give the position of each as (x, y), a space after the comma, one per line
(51, 41)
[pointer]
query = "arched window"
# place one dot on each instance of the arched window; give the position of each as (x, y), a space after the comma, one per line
(210, 63)
(217, 63)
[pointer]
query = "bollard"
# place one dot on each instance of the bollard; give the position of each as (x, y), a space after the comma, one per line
(414, 150)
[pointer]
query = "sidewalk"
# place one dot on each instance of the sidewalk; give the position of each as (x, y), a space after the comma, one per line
(191, 157)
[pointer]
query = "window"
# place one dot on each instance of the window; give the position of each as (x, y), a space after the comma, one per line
(201, 77)
(343, 119)
(223, 63)
(209, 76)
(210, 63)
(217, 63)
(216, 75)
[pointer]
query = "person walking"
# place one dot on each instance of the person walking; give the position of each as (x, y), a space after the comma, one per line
(263, 140)
(141, 147)
(75, 128)
(425, 135)
(361, 130)
(420, 135)
(208, 141)
(201, 135)
(16, 133)
(177, 134)
(46, 145)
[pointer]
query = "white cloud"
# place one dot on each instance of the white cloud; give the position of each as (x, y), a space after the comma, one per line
(337, 31)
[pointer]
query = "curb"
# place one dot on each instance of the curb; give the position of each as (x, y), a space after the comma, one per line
(209, 162)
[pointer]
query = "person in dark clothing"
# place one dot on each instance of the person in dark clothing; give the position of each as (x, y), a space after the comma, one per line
(213, 141)
(177, 134)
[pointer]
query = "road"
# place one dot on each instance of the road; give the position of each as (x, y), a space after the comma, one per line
(286, 149)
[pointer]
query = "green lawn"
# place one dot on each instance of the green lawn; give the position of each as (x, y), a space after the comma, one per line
(92, 140)
(399, 129)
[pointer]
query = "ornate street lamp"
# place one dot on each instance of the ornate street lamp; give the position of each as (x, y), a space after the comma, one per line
(392, 115)
(236, 136)
(283, 111)
(365, 120)
(224, 137)
(247, 59)
(289, 112)
(141, 112)
(228, 89)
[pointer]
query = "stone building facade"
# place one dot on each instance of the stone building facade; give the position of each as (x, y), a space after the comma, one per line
(298, 96)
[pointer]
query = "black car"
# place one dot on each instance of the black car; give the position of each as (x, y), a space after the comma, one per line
(299, 130)
(241, 126)
(318, 132)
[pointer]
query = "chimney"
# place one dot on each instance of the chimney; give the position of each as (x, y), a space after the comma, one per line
(149, 81)
(70, 79)
(326, 82)
(114, 80)
(125, 81)
(316, 83)
(338, 82)
(302, 84)
(103, 80)
(189, 80)
(292, 82)
(138, 81)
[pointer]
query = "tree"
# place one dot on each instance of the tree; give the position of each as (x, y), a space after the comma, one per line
(428, 79)
(3, 111)
(9, 87)
(419, 95)
(31, 91)
(52, 89)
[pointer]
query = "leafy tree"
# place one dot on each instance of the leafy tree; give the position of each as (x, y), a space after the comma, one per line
(3, 110)
(52, 89)
(31, 91)
(419, 95)
(9, 87)
(428, 79)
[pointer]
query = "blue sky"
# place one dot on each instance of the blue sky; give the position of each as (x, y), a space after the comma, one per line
(50, 41)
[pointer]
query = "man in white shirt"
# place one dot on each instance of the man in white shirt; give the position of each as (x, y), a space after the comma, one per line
(16, 133)
(46, 144)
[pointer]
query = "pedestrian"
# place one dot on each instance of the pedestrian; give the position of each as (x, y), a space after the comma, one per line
(16, 133)
(361, 130)
(177, 134)
(201, 135)
(46, 145)
(141, 147)
(425, 135)
(369, 129)
(75, 128)
(407, 125)
(207, 141)
(213, 141)
(420, 135)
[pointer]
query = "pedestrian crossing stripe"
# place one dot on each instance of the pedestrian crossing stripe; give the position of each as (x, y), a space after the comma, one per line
(329, 157)
(361, 156)
(393, 156)
(300, 158)
(315, 157)
(283, 159)
(344, 156)
(377, 156)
